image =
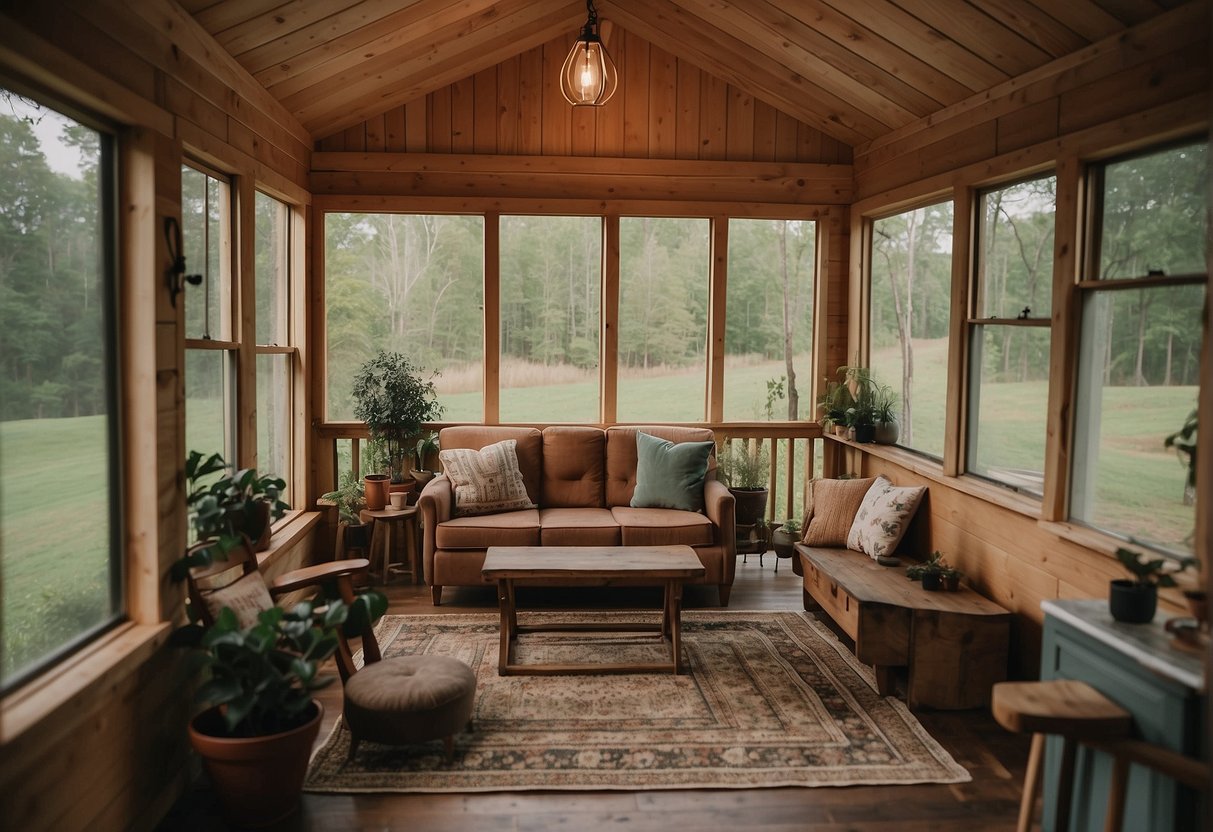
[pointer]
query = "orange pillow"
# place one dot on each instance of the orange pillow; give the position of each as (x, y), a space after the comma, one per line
(835, 504)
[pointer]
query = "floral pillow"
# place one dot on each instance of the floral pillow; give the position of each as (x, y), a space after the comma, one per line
(882, 518)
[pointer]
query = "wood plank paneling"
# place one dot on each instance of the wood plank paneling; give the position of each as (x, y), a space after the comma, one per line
(665, 108)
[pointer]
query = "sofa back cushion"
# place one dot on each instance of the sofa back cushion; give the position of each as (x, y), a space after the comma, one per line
(621, 456)
(529, 449)
(574, 468)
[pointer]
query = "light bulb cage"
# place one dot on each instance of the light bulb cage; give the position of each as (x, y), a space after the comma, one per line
(588, 77)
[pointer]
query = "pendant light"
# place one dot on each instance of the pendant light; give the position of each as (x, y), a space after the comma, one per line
(588, 77)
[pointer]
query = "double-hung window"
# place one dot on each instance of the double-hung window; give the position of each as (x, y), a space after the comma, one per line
(60, 556)
(1142, 292)
(1009, 334)
(275, 351)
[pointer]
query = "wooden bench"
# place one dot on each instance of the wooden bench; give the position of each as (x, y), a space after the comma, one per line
(954, 643)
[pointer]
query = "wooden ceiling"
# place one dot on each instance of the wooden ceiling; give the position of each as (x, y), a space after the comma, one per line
(854, 69)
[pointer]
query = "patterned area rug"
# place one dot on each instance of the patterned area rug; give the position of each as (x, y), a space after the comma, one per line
(772, 699)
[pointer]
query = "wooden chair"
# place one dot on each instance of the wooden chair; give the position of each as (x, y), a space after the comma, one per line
(396, 701)
(1075, 711)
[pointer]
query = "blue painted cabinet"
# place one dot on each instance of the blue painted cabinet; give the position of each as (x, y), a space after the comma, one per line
(1080, 644)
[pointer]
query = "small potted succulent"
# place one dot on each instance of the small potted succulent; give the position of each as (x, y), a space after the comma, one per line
(930, 571)
(785, 538)
(426, 445)
(350, 500)
(951, 578)
(1134, 600)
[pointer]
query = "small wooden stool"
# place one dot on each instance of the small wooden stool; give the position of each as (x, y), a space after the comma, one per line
(1074, 711)
(381, 538)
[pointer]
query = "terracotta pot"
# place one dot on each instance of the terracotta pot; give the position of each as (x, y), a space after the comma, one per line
(258, 779)
(422, 477)
(951, 583)
(402, 487)
(1131, 602)
(375, 487)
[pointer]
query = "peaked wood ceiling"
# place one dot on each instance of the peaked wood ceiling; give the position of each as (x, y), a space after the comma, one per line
(854, 69)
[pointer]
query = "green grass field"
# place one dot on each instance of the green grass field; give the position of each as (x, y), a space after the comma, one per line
(53, 517)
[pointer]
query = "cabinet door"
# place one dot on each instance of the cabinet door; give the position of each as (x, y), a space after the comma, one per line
(1164, 713)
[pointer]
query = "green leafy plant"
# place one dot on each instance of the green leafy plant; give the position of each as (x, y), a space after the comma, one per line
(833, 404)
(225, 508)
(790, 526)
(350, 499)
(884, 404)
(1152, 571)
(393, 398)
(933, 565)
(745, 466)
(775, 393)
(1184, 443)
(426, 445)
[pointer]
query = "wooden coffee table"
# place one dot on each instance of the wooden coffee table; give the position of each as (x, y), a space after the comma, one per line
(666, 566)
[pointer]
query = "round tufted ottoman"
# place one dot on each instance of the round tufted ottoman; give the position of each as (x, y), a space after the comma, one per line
(409, 699)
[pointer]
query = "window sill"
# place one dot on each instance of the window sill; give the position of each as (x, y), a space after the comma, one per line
(75, 683)
(287, 532)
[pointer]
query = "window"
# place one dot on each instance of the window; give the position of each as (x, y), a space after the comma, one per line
(60, 569)
(551, 278)
(1142, 295)
(769, 320)
(406, 283)
(275, 354)
(1009, 334)
(206, 231)
(663, 307)
(911, 299)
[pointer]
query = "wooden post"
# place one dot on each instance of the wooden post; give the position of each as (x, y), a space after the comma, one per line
(492, 318)
(958, 331)
(608, 360)
(244, 312)
(717, 297)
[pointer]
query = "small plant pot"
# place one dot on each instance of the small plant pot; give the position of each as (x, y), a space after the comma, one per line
(932, 581)
(1131, 602)
(784, 543)
(886, 433)
(840, 430)
(376, 489)
(749, 504)
(951, 583)
(422, 478)
(865, 434)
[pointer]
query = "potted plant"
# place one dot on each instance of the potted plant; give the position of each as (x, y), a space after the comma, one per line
(930, 571)
(745, 468)
(394, 400)
(1134, 600)
(350, 501)
(224, 507)
(785, 538)
(426, 445)
(951, 578)
(884, 412)
(833, 404)
(1184, 443)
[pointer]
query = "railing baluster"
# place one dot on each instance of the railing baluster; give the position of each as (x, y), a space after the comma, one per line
(790, 499)
(355, 460)
(773, 497)
(808, 471)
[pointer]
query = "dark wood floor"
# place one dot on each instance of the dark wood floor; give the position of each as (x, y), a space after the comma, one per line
(995, 759)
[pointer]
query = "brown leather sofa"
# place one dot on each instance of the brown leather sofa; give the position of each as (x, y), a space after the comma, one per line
(582, 479)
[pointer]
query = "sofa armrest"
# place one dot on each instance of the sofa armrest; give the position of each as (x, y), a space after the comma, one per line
(718, 505)
(436, 503)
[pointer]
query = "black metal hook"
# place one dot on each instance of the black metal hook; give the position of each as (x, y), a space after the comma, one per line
(175, 277)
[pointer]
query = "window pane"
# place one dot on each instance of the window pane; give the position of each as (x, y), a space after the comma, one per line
(274, 416)
(58, 573)
(1007, 405)
(206, 220)
(1154, 214)
(208, 402)
(412, 284)
(551, 277)
(911, 301)
(272, 255)
(1015, 260)
(769, 326)
(1138, 381)
(663, 304)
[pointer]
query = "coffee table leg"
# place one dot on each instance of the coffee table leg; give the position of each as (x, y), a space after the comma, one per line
(505, 593)
(675, 592)
(665, 611)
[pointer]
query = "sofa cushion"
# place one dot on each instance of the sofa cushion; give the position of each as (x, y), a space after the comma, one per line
(578, 527)
(883, 516)
(621, 456)
(662, 527)
(574, 472)
(514, 528)
(668, 474)
(529, 449)
(834, 506)
(486, 481)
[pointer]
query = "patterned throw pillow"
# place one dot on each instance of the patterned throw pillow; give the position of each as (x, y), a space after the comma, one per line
(486, 481)
(882, 518)
(247, 597)
(835, 504)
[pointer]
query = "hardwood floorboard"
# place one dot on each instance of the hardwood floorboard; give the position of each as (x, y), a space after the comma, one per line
(995, 758)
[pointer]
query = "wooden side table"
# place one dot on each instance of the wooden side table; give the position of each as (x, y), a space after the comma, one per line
(381, 538)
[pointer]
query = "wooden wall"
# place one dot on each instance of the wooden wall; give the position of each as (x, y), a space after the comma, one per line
(664, 109)
(99, 741)
(1148, 85)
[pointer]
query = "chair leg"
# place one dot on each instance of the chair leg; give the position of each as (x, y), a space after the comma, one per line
(725, 590)
(436, 595)
(1115, 818)
(448, 743)
(1031, 782)
(1065, 785)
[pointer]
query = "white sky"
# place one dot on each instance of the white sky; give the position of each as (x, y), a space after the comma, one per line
(48, 126)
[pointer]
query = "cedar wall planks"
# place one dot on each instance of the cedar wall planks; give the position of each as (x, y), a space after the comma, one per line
(664, 108)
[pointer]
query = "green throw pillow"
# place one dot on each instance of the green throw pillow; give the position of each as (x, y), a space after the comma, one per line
(670, 475)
